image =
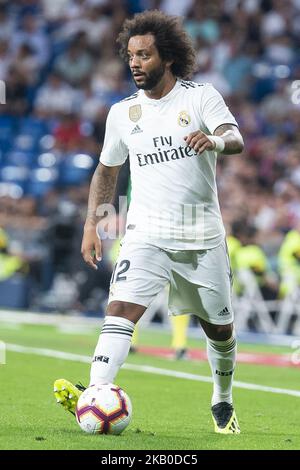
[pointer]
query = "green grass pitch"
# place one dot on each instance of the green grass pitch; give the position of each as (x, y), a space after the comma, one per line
(169, 412)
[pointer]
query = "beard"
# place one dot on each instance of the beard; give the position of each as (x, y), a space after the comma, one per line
(151, 79)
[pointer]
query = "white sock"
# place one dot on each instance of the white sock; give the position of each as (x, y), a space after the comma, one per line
(222, 357)
(112, 349)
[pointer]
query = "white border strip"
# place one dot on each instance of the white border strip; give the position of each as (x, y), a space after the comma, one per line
(147, 369)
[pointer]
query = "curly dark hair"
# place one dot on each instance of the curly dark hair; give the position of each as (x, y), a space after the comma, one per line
(171, 40)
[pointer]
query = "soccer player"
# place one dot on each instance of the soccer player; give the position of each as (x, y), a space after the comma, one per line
(172, 130)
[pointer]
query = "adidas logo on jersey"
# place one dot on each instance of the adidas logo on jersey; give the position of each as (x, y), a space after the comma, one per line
(225, 311)
(136, 130)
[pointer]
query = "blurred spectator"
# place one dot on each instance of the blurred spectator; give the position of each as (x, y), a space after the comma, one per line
(27, 64)
(9, 264)
(31, 33)
(75, 65)
(175, 7)
(5, 58)
(14, 277)
(238, 67)
(68, 134)
(92, 104)
(90, 18)
(16, 93)
(54, 97)
(206, 74)
(289, 262)
(55, 10)
(108, 75)
(7, 23)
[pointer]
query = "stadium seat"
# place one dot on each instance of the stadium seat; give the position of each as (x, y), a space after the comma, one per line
(41, 181)
(2, 160)
(6, 143)
(33, 126)
(26, 143)
(76, 168)
(46, 143)
(20, 158)
(14, 174)
(13, 190)
(7, 125)
(47, 160)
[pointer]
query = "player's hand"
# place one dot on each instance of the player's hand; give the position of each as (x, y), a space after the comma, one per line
(199, 141)
(91, 246)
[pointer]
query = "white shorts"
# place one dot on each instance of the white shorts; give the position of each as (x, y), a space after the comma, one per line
(200, 280)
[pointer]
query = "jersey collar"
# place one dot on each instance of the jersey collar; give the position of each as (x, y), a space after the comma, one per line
(165, 98)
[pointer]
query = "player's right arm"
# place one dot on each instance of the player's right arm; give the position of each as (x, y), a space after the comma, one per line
(103, 186)
(102, 190)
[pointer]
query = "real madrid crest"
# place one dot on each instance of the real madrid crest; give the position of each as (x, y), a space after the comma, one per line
(135, 112)
(184, 119)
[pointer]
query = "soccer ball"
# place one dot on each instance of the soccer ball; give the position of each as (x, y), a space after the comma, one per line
(103, 409)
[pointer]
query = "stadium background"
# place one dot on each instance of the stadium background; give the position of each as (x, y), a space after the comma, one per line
(61, 71)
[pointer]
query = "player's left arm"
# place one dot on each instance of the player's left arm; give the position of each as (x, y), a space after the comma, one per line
(232, 138)
(226, 139)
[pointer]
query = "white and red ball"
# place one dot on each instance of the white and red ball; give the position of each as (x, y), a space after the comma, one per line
(103, 409)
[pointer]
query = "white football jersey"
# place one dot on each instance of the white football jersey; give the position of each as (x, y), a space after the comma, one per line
(174, 202)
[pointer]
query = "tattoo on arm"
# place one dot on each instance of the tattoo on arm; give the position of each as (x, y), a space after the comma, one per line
(233, 140)
(102, 190)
